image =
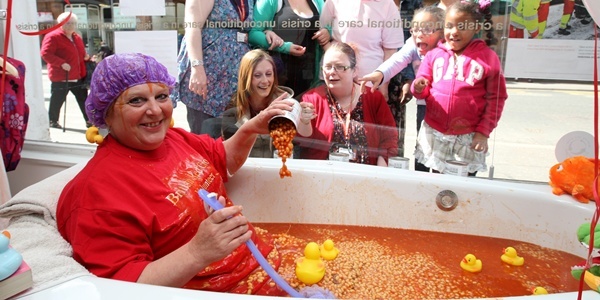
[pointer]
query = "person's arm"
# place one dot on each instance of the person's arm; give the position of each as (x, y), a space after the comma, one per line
(196, 13)
(422, 83)
(306, 116)
(239, 145)
(398, 61)
(326, 17)
(218, 235)
(383, 88)
(48, 51)
(264, 12)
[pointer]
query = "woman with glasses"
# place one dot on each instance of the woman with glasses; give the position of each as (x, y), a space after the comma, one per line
(338, 118)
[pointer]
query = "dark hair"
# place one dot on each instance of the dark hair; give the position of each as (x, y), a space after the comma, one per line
(436, 12)
(482, 16)
(345, 48)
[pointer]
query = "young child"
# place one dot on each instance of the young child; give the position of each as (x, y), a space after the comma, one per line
(427, 30)
(463, 85)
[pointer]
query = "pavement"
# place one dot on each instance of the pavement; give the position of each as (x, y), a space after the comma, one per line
(515, 155)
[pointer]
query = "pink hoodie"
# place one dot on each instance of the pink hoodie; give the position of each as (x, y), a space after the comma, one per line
(463, 96)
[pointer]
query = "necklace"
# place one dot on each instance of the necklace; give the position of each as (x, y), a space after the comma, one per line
(344, 121)
(347, 108)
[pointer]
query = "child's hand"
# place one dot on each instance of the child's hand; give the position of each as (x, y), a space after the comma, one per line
(375, 78)
(479, 142)
(406, 94)
(420, 84)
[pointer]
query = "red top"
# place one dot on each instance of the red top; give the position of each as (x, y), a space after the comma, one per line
(127, 208)
(58, 49)
(381, 131)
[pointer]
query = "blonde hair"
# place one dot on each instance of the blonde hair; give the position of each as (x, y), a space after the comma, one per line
(244, 88)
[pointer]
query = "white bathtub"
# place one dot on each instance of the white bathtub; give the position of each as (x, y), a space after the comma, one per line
(374, 196)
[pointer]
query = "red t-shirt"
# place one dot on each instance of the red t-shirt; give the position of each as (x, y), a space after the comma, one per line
(127, 208)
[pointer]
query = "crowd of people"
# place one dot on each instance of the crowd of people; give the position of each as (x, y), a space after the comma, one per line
(133, 212)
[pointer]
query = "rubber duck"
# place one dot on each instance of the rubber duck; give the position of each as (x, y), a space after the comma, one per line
(10, 259)
(538, 290)
(592, 281)
(510, 257)
(310, 269)
(328, 251)
(471, 263)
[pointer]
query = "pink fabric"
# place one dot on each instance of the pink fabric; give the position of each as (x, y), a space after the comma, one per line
(382, 134)
(357, 22)
(470, 100)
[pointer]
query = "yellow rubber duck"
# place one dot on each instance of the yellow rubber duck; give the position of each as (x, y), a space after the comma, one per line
(510, 257)
(328, 251)
(310, 269)
(471, 263)
(538, 290)
(592, 281)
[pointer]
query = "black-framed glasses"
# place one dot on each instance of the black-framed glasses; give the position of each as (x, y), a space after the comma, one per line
(424, 30)
(337, 68)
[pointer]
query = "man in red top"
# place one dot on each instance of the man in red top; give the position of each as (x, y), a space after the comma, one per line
(64, 53)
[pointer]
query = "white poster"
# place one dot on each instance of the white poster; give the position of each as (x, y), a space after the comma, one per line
(161, 45)
(122, 22)
(550, 59)
(142, 7)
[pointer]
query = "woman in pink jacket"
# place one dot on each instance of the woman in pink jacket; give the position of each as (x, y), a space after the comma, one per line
(464, 89)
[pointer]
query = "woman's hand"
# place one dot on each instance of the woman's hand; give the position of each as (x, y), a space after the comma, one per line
(273, 39)
(308, 112)
(198, 81)
(375, 78)
(219, 234)
(322, 36)
(479, 143)
(260, 123)
(420, 84)
(297, 50)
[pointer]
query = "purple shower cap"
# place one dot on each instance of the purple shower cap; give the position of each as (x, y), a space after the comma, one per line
(115, 74)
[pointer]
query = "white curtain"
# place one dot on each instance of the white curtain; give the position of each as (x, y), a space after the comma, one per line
(4, 190)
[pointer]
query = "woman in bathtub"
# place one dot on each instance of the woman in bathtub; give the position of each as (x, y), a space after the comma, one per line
(133, 212)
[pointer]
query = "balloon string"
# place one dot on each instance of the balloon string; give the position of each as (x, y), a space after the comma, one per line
(595, 182)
